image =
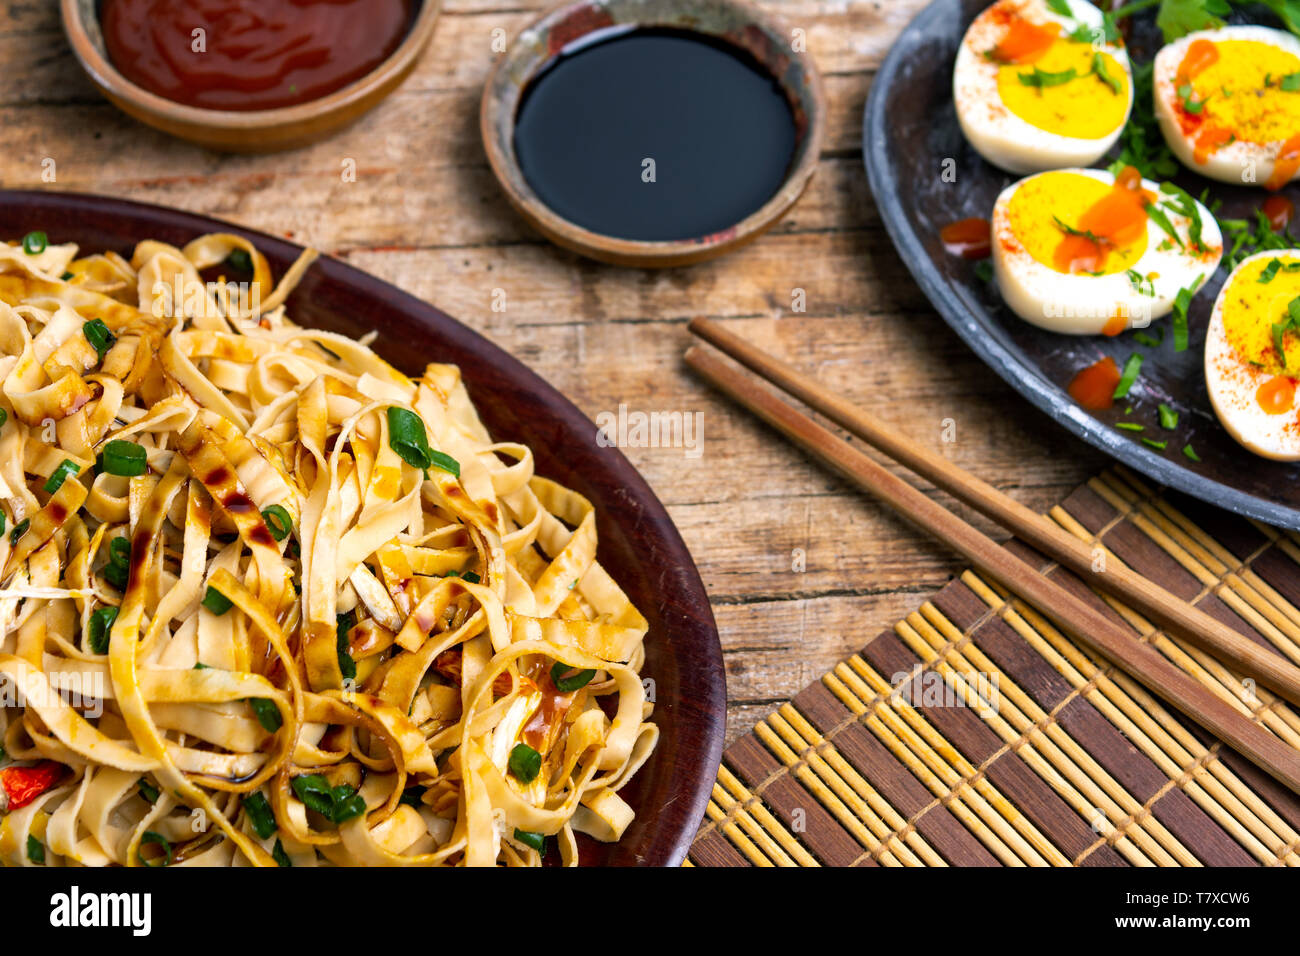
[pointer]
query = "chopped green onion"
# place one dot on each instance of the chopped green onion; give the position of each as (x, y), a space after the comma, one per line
(1158, 445)
(101, 624)
(337, 804)
(97, 334)
(343, 624)
(148, 791)
(1150, 341)
(573, 681)
(118, 570)
(1168, 417)
(1130, 426)
(240, 260)
(1190, 452)
(151, 837)
(34, 243)
(444, 461)
(60, 475)
(535, 841)
(259, 814)
(216, 602)
(525, 763)
(411, 796)
(124, 458)
(268, 715)
(281, 858)
(278, 522)
(35, 849)
(407, 437)
(984, 271)
(1131, 369)
(20, 529)
(200, 666)
(1290, 83)
(4, 417)
(2, 522)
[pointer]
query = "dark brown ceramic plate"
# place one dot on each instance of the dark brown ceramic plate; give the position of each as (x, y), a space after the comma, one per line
(638, 542)
(910, 129)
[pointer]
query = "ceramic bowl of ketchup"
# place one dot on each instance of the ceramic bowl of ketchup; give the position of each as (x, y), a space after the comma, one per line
(654, 133)
(248, 76)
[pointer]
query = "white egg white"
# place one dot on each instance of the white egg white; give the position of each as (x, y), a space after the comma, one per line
(1085, 304)
(1233, 384)
(1240, 162)
(999, 135)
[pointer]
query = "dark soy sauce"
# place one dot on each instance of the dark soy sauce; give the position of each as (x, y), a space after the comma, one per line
(655, 134)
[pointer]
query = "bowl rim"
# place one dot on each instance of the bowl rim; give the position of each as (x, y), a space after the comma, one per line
(114, 84)
(638, 252)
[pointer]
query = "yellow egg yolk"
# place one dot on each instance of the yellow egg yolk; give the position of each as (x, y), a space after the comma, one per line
(1083, 107)
(1242, 93)
(1040, 202)
(1251, 307)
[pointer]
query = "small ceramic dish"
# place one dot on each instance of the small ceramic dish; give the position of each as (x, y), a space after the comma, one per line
(255, 131)
(734, 21)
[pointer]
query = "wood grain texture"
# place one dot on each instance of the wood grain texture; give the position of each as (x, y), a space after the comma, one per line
(425, 213)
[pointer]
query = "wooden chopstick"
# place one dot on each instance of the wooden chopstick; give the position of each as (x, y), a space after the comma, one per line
(1083, 622)
(1167, 610)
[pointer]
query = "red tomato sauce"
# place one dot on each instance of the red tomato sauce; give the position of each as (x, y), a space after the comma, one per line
(251, 54)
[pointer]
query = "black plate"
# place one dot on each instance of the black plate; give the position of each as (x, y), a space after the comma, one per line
(909, 130)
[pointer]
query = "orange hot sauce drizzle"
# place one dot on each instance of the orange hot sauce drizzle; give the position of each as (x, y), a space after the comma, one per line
(1200, 56)
(1116, 324)
(1025, 42)
(1094, 386)
(968, 238)
(1286, 165)
(1118, 218)
(1279, 211)
(1277, 395)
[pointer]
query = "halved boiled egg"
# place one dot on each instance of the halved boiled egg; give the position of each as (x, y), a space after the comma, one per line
(1084, 251)
(1228, 102)
(1035, 90)
(1252, 354)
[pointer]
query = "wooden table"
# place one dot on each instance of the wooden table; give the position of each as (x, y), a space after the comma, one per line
(425, 213)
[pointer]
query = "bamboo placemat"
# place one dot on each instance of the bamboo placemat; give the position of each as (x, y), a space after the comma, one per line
(975, 734)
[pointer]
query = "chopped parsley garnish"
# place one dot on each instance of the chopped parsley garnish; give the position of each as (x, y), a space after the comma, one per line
(1126, 379)
(1141, 284)
(1040, 79)
(1103, 73)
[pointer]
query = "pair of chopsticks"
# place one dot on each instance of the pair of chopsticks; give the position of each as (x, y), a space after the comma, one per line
(1074, 616)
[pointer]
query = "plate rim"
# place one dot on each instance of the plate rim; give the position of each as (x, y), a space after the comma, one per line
(1025, 379)
(705, 682)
